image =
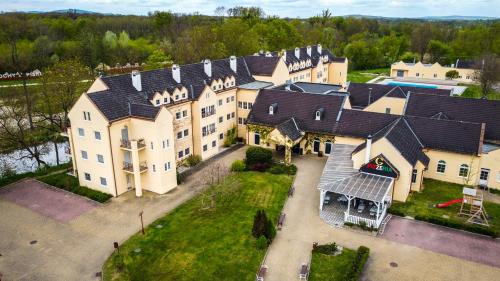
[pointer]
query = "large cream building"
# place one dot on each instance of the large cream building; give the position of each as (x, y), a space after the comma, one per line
(466, 70)
(132, 131)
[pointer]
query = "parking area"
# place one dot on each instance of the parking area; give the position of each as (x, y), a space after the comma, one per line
(444, 240)
(48, 201)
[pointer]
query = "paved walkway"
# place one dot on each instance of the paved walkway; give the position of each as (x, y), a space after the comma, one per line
(303, 226)
(76, 250)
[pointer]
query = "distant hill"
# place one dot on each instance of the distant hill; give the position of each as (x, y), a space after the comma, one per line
(429, 18)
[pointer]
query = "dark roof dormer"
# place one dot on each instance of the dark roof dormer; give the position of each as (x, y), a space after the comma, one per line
(273, 108)
(318, 115)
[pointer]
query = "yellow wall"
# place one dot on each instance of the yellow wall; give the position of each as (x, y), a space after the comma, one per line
(207, 98)
(92, 146)
(222, 111)
(491, 161)
(403, 183)
(279, 76)
(453, 162)
(348, 140)
(435, 71)
(97, 86)
(396, 105)
(337, 73)
(244, 95)
(179, 125)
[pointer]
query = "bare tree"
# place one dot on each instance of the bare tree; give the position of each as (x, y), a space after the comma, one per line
(487, 73)
(16, 130)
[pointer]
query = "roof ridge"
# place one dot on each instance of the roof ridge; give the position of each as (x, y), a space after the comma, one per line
(413, 132)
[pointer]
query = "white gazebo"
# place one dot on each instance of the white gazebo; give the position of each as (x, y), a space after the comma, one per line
(348, 195)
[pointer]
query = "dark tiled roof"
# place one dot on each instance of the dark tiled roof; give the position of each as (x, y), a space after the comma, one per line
(360, 97)
(448, 135)
(466, 64)
(461, 109)
(114, 103)
(403, 138)
(262, 65)
(307, 87)
(290, 129)
(301, 106)
(360, 124)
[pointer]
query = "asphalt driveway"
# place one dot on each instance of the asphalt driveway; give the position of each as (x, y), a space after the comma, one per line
(460, 244)
(46, 200)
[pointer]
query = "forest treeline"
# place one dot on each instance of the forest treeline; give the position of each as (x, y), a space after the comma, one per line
(41, 40)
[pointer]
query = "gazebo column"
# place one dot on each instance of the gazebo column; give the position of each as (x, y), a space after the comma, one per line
(349, 198)
(378, 210)
(321, 199)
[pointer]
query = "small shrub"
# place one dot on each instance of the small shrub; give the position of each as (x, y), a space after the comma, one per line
(259, 223)
(193, 160)
(240, 139)
(179, 178)
(270, 231)
(292, 169)
(238, 166)
(258, 155)
(395, 211)
(261, 242)
(277, 169)
(259, 167)
(358, 264)
(328, 249)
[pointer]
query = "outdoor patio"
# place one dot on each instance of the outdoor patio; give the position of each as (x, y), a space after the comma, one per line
(334, 210)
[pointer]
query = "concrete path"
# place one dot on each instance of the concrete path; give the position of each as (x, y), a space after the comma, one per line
(76, 250)
(444, 240)
(303, 226)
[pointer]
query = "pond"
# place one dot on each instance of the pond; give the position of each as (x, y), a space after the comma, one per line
(15, 159)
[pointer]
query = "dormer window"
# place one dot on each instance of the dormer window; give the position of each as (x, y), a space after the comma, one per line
(214, 87)
(319, 114)
(165, 100)
(176, 97)
(157, 102)
(271, 110)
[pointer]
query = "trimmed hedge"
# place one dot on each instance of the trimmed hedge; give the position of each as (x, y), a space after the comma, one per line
(10, 178)
(258, 155)
(69, 183)
(358, 264)
(458, 225)
(283, 169)
(238, 166)
(193, 160)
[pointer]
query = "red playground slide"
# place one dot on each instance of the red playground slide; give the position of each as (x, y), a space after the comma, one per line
(451, 202)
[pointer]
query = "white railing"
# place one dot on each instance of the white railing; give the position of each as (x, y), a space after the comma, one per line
(357, 220)
(381, 217)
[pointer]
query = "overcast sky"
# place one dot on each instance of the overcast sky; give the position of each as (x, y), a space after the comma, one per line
(282, 8)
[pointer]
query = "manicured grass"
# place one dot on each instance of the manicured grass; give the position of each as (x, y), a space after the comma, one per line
(45, 171)
(331, 268)
(70, 183)
(200, 243)
(363, 76)
(474, 91)
(422, 205)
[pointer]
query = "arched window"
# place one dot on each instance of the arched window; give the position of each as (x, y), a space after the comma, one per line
(318, 115)
(464, 170)
(328, 147)
(441, 167)
(271, 110)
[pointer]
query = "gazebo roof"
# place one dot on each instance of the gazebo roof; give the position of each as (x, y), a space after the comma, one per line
(339, 176)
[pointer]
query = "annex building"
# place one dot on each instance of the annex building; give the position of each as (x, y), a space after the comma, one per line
(466, 70)
(133, 131)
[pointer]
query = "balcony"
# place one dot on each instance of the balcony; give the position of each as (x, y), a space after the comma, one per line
(127, 144)
(129, 167)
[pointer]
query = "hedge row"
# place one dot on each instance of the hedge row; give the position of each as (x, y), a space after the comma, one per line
(358, 264)
(69, 183)
(458, 225)
(12, 177)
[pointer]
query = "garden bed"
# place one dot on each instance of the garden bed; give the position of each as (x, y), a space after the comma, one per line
(70, 183)
(204, 239)
(421, 206)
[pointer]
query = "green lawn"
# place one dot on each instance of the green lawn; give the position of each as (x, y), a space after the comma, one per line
(331, 268)
(363, 76)
(474, 91)
(422, 204)
(196, 243)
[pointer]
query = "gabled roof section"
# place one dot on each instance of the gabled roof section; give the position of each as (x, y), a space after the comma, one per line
(363, 94)
(300, 106)
(262, 65)
(403, 138)
(114, 102)
(311, 87)
(458, 109)
(360, 124)
(290, 129)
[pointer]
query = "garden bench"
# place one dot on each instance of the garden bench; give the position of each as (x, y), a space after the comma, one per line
(281, 220)
(304, 271)
(262, 273)
(291, 191)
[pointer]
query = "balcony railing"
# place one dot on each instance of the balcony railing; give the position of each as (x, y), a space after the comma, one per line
(141, 143)
(129, 167)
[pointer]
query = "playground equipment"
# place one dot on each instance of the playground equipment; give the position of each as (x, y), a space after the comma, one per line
(449, 203)
(472, 206)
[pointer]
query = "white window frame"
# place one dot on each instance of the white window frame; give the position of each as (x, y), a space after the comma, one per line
(443, 163)
(95, 136)
(97, 158)
(85, 177)
(460, 170)
(105, 181)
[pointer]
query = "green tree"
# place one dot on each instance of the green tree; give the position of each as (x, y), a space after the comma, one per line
(452, 74)
(439, 52)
